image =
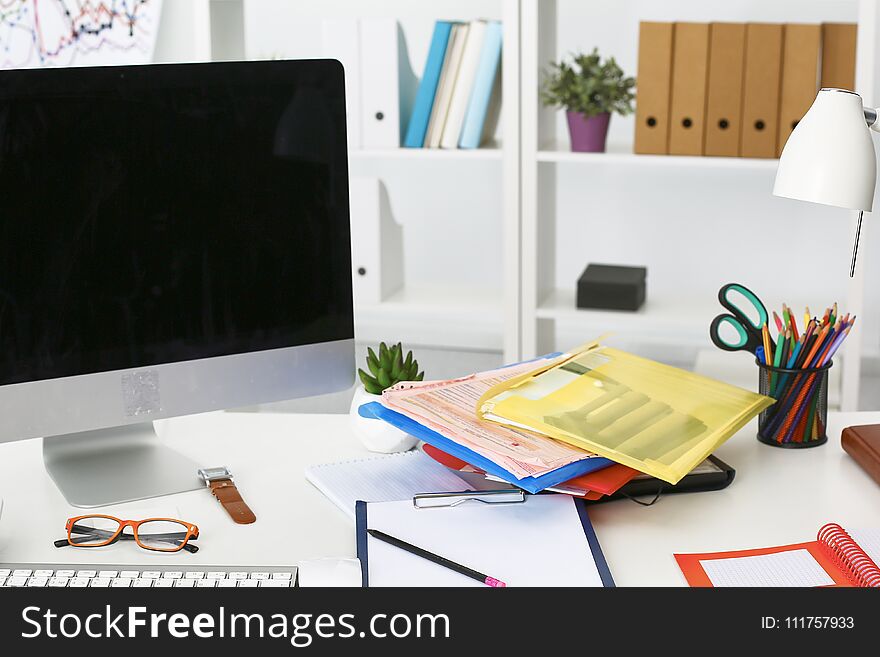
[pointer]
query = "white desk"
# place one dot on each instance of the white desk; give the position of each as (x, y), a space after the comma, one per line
(779, 496)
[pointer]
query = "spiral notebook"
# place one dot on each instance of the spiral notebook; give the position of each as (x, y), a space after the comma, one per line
(838, 557)
(384, 478)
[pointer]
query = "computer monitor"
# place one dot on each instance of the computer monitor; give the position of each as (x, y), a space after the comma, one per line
(173, 239)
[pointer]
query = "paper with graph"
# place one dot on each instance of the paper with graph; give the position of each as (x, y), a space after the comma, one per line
(66, 33)
(655, 418)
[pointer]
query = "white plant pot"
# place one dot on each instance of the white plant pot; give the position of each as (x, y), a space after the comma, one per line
(377, 435)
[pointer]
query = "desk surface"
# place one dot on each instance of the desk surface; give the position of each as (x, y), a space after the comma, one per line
(779, 496)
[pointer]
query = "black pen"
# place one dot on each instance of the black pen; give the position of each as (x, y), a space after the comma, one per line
(440, 561)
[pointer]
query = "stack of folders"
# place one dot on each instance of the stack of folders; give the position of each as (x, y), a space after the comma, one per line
(734, 89)
(583, 423)
(458, 99)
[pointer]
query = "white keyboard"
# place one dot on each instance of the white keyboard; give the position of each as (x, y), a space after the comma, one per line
(108, 576)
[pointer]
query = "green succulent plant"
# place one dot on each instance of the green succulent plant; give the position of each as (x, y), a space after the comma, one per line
(588, 85)
(388, 368)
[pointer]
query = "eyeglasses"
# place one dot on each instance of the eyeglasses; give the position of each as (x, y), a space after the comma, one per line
(159, 534)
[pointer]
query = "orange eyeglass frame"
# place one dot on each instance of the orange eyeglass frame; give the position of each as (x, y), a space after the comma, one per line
(192, 532)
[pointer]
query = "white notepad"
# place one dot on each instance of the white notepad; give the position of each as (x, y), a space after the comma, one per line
(382, 479)
(792, 568)
(541, 542)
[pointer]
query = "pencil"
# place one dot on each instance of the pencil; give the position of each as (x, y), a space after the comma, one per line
(440, 561)
(768, 354)
(778, 322)
(807, 316)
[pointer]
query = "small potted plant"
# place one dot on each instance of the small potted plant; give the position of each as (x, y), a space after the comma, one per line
(590, 90)
(385, 369)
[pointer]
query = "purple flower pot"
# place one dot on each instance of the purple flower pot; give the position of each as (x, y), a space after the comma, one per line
(588, 133)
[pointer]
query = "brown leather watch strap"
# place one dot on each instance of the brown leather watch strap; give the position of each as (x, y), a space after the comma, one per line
(227, 494)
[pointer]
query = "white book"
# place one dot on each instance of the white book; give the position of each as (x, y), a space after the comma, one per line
(447, 85)
(464, 84)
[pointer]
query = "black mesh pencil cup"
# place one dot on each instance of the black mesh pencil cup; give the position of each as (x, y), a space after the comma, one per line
(800, 414)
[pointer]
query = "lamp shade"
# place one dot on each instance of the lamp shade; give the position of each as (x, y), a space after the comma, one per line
(829, 157)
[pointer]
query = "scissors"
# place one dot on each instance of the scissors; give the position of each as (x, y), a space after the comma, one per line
(749, 334)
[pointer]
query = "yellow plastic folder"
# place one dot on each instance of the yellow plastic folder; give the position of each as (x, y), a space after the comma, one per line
(658, 419)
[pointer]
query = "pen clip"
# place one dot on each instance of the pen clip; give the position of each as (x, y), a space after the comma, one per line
(446, 500)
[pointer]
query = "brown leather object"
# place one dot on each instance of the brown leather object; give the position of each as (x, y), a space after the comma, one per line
(863, 444)
(227, 494)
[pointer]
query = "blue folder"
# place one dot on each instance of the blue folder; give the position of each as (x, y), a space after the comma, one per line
(424, 102)
(529, 484)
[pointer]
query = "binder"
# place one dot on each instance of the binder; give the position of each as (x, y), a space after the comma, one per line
(690, 63)
(485, 103)
(800, 76)
(652, 92)
(727, 43)
(760, 115)
(421, 114)
(839, 55)
(464, 84)
(341, 41)
(376, 242)
(547, 540)
(388, 85)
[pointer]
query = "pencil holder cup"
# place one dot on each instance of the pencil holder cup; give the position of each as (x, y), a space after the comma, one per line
(800, 414)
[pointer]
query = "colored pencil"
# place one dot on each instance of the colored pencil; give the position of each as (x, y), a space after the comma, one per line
(778, 322)
(768, 354)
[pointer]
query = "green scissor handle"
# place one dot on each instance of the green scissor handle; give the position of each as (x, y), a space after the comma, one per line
(751, 297)
(749, 336)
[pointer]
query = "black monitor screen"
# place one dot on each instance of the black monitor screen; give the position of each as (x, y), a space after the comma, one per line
(156, 214)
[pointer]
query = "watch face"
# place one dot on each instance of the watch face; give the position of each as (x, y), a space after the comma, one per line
(214, 473)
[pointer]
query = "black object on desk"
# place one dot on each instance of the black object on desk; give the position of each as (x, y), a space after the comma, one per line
(714, 474)
(611, 287)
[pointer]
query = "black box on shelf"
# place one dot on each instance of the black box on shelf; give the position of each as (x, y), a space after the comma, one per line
(611, 287)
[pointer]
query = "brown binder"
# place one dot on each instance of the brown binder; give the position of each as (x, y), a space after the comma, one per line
(687, 115)
(761, 77)
(652, 92)
(727, 42)
(839, 55)
(863, 444)
(800, 76)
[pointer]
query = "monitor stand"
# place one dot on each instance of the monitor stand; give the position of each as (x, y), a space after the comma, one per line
(120, 464)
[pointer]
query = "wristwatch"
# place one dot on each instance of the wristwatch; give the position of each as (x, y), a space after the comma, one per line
(222, 485)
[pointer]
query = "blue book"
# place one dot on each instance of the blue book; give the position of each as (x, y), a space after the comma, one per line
(484, 87)
(424, 102)
(441, 442)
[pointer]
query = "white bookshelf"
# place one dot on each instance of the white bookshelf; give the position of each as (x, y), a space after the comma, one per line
(496, 237)
(582, 207)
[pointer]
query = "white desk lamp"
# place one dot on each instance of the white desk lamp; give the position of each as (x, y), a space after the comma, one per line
(829, 156)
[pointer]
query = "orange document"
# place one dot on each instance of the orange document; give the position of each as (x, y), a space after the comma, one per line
(836, 558)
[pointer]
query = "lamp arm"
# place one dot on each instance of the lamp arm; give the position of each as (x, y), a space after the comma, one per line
(871, 118)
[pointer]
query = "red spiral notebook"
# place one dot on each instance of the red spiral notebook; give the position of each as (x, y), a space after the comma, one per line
(836, 558)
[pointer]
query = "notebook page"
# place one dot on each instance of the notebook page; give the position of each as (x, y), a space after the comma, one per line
(383, 479)
(790, 568)
(540, 542)
(869, 541)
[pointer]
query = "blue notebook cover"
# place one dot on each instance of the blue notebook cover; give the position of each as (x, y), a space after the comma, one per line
(484, 82)
(424, 102)
(529, 484)
(360, 512)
